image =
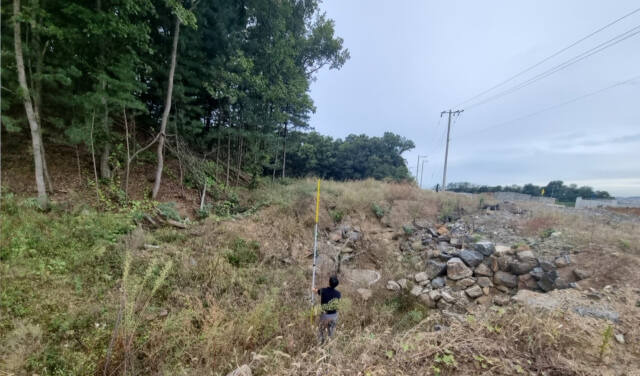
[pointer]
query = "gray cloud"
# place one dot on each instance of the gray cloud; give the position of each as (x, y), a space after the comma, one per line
(412, 59)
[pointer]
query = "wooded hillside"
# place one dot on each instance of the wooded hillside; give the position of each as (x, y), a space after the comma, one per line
(217, 84)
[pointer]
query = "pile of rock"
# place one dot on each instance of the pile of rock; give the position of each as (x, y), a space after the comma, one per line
(456, 276)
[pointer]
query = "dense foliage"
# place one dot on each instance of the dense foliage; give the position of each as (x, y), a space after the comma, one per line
(217, 83)
(556, 189)
(355, 157)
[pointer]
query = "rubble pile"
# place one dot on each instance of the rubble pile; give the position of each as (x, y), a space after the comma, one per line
(460, 269)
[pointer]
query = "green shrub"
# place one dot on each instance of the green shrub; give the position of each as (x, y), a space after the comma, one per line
(408, 229)
(242, 253)
(377, 210)
(336, 215)
(168, 210)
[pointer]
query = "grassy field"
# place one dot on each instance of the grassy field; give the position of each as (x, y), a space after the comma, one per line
(87, 292)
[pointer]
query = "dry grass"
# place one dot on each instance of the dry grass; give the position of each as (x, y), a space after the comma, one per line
(497, 342)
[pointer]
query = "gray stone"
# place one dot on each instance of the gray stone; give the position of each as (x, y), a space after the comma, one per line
(537, 300)
(435, 295)
(581, 274)
(537, 273)
(561, 284)
(503, 289)
(335, 236)
(393, 286)
(447, 297)
(505, 279)
(456, 269)
(599, 313)
(435, 268)
(522, 267)
(426, 299)
(474, 291)
(416, 291)
(354, 236)
(526, 256)
(465, 283)
(546, 265)
(471, 258)
(485, 248)
(365, 294)
(443, 304)
(485, 282)
(503, 250)
(619, 338)
(526, 281)
(420, 277)
(546, 283)
(483, 270)
(501, 300)
(438, 283)
(403, 282)
(504, 261)
(562, 261)
(243, 370)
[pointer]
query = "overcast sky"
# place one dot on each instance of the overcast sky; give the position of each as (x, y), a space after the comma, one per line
(412, 59)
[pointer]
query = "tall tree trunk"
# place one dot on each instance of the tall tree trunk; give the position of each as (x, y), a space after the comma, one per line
(284, 151)
(105, 170)
(36, 138)
(226, 184)
(239, 161)
(128, 163)
(167, 109)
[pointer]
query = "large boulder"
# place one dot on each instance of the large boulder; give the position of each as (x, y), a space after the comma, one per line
(471, 258)
(505, 279)
(362, 277)
(435, 268)
(486, 248)
(456, 269)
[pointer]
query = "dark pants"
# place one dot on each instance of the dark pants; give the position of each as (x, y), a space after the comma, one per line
(327, 326)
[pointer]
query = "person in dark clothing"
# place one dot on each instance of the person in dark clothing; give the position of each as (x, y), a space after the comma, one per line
(329, 299)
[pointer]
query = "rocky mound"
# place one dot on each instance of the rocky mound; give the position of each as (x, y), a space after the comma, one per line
(459, 270)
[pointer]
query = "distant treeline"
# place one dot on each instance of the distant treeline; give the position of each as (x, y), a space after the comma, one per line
(556, 189)
(355, 157)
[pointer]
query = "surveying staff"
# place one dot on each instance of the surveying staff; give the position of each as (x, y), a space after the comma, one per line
(329, 299)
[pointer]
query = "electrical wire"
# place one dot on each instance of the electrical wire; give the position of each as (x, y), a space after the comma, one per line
(599, 48)
(549, 57)
(562, 104)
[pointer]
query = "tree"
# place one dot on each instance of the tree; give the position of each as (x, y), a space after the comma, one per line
(36, 137)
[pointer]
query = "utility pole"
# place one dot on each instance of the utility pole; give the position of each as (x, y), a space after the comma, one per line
(446, 154)
(418, 165)
(422, 172)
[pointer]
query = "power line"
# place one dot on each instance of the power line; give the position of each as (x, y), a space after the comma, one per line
(562, 104)
(549, 57)
(599, 48)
